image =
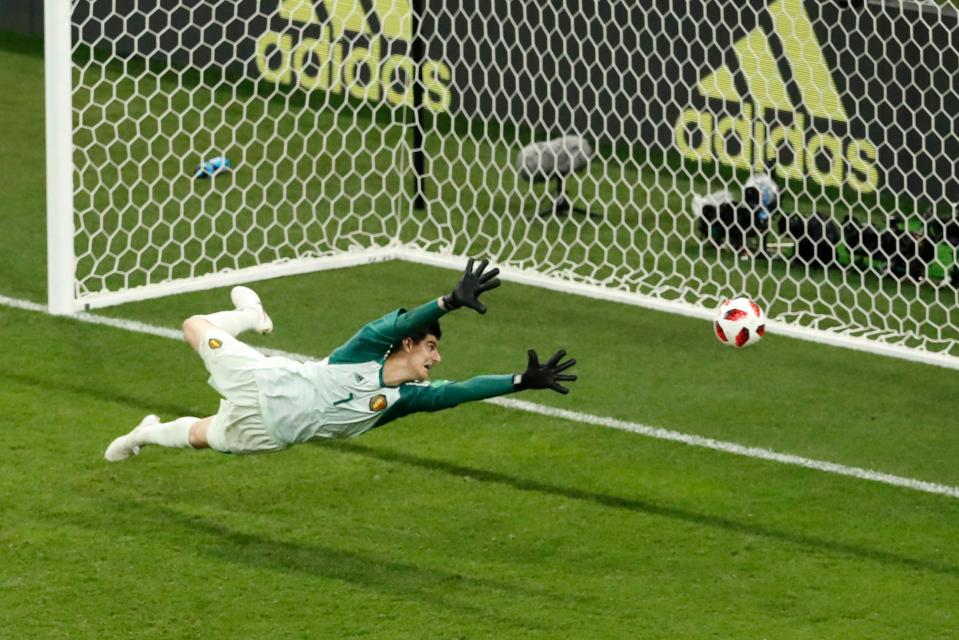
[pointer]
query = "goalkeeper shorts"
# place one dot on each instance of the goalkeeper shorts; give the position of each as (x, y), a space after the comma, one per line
(238, 425)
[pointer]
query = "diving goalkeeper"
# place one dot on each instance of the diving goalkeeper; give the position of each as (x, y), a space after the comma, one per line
(382, 373)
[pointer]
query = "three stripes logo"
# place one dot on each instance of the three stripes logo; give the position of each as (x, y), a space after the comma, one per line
(357, 47)
(796, 150)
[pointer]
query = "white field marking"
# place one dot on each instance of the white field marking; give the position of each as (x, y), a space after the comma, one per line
(729, 447)
(573, 416)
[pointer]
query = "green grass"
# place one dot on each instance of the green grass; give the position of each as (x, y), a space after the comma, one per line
(480, 522)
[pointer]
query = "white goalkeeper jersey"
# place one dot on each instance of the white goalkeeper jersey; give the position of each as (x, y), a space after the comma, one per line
(344, 396)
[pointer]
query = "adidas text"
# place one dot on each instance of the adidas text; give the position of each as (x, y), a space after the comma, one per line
(348, 55)
(794, 151)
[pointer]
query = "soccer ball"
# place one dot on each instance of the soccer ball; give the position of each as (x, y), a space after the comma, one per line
(739, 322)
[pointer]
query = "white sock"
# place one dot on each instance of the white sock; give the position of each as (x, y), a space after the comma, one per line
(236, 321)
(174, 434)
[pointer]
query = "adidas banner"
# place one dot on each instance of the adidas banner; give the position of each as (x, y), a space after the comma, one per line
(858, 96)
(853, 95)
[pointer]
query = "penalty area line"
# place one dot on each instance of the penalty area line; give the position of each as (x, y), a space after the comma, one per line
(565, 414)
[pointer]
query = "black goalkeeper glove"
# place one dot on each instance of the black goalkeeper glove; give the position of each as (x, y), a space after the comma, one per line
(545, 376)
(470, 286)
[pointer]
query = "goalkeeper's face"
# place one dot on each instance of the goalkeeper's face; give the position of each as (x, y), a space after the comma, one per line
(424, 355)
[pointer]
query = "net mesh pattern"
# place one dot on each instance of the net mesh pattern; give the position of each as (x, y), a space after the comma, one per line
(840, 116)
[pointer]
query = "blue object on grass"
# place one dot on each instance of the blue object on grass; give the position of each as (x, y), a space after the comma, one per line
(212, 167)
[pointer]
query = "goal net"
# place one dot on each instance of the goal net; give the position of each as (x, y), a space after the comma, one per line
(667, 153)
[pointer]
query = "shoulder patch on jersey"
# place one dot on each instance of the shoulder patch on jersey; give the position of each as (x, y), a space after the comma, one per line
(378, 402)
(215, 344)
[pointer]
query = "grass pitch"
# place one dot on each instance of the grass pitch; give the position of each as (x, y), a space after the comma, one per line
(479, 522)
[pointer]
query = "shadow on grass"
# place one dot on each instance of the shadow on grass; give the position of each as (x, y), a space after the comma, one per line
(106, 395)
(641, 506)
(395, 579)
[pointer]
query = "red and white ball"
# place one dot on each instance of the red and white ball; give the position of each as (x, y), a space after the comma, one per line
(739, 323)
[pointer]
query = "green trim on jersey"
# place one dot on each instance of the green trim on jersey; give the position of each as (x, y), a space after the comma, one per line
(373, 341)
(444, 395)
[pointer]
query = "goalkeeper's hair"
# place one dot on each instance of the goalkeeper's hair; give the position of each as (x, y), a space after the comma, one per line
(432, 329)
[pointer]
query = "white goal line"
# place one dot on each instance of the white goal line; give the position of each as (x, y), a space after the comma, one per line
(565, 414)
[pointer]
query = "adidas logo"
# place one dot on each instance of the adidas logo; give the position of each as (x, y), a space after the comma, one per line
(797, 151)
(337, 46)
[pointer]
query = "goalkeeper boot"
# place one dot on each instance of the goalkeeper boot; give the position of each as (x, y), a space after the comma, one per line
(128, 445)
(246, 298)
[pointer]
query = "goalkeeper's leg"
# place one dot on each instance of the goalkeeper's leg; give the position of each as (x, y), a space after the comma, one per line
(247, 315)
(229, 363)
(234, 429)
(182, 433)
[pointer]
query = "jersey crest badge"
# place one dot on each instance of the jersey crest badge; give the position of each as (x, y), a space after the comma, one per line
(215, 344)
(378, 402)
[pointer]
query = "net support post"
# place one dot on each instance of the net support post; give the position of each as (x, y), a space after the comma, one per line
(418, 55)
(59, 151)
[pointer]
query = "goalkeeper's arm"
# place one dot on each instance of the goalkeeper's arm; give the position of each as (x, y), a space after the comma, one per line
(537, 376)
(472, 284)
(445, 395)
(378, 336)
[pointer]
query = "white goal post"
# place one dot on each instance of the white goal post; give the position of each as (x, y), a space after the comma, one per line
(668, 153)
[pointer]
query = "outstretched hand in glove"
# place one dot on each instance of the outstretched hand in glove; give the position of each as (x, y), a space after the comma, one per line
(471, 285)
(545, 376)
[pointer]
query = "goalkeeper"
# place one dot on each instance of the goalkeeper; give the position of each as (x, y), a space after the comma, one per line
(382, 373)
